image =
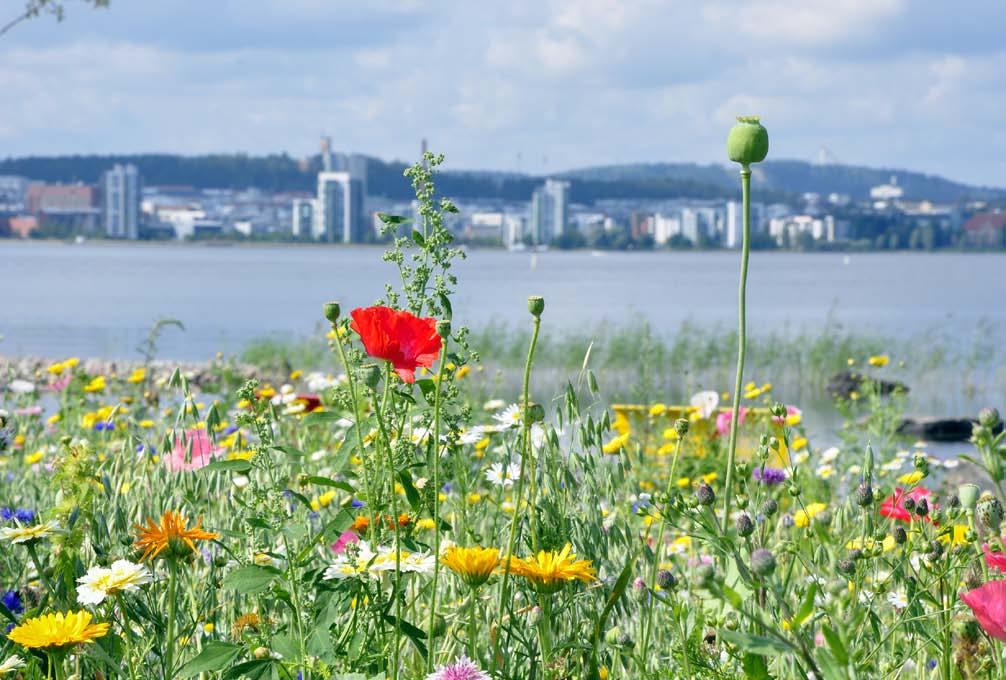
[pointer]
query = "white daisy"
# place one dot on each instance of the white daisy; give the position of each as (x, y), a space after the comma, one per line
(21, 387)
(472, 435)
(897, 599)
(13, 663)
(100, 582)
(22, 534)
(829, 455)
(503, 476)
(508, 417)
(493, 405)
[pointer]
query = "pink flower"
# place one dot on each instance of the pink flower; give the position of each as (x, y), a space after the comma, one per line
(724, 418)
(996, 560)
(192, 451)
(348, 536)
(60, 384)
(462, 669)
(34, 410)
(988, 604)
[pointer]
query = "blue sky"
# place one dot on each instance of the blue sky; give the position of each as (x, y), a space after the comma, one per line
(531, 85)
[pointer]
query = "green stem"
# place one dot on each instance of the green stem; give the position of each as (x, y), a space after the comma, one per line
(518, 501)
(741, 341)
(169, 651)
(656, 558)
(298, 623)
(526, 444)
(435, 464)
(472, 627)
(545, 633)
(371, 500)
(41, 572)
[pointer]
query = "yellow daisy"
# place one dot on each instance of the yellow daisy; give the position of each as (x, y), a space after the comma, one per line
(57, 630)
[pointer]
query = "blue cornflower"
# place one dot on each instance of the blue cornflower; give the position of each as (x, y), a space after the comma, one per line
(231, 429)
(6, 514)
(24, 515)
(357, 503)
(12, 600)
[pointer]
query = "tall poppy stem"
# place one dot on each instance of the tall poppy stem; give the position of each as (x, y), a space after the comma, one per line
(741, 339)
(435, 465)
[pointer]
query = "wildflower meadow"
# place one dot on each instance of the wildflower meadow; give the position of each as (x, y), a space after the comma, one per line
(407, 518)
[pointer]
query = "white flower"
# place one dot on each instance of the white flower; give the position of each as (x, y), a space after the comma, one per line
(537, 435)
(951, 463)
(829, 455)
(12, 663)
(240, 481)
(801, 457)
(472, 435)
(21, 387)
(493, 405)
(508, 417)
(897, 599)
(865, 596)
(317, 382)
(903, 454)
(20, 534)
(418, 563)
(893, 465)
(100, 582)
(706, 402)
(500, 476)
(825, 471)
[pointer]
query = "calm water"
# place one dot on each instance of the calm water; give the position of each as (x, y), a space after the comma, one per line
(99, 299)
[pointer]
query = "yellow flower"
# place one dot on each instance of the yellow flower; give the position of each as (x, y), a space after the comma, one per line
(621, 424)
(426, 523)
(97, 384)
(137, 376)
(57, 630)
(70, 363)
(802, 518)
(171, 532)
(709, 477)
(879, 360)
(146, 424)
(20, 534)
(54, 418)
(911, 477)
(462, 372)
(209, 628)
(474, 498)
(296, 374)
(959, 536)
(671, 433)
(33, 458)
(666, 449)
(549, 571)
(616, 444)
(658, 410)
(683, 482)
(326, 498)
(55, 368)
(474, 565)
(799, 443)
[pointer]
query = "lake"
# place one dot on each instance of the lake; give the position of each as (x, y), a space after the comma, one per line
(98, 299)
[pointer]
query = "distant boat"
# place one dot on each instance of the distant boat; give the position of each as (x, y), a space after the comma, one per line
(846, 259)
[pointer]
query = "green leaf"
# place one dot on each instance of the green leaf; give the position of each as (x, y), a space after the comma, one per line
(806, 607)
(286, 646)
(411, 493)
(335, 484)
(251, 579)
(836, 645)
(214, 657)
(755, 644)
(289, 450)
(417, 237)
(392, 220)
(415, 634)
(254, 669)
(445, 302)
(429, 389)
(318, 417)
(755, 667)
(240, 466)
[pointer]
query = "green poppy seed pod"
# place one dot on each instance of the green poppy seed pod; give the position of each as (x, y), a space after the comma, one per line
(968, 494)
(443, 328)
(747, 142)
(535, 413)
(369, 375)
(536, 305)
(331, 311)
(989, 513)
(763, 562)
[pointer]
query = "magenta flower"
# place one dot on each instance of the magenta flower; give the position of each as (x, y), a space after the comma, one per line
(462, 669)
(988, 603)
(724, 418)
(348, 536)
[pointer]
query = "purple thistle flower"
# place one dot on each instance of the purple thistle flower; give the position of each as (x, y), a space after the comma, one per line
(769, 476)
(462, 669)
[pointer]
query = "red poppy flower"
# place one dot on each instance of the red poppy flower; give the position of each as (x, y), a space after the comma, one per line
(996, 560)
(401, 338)
(988, 604)
(893, 505)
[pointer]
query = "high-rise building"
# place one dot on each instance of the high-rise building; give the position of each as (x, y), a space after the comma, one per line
(549, 210)
(121, 202)
(339, 207)
(303, 216)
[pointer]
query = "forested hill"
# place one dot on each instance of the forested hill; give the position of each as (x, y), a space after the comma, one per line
(280, 172)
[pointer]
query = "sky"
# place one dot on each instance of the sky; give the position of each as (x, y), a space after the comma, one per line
(534, 86)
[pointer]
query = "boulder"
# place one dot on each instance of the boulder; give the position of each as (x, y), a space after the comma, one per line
(843, 384)
(940, 429)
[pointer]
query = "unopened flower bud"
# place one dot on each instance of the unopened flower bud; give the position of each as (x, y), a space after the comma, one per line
(536, 305)
(778, 410)
(748, 141)
(681, 426)
(666, 580)
(763, 562)
(261, 652)
(705, 494)
(745, 525)
(535, 413)
(639, 589)
(989, 417)
(444, 328)
(900, 535)
(369, 375)
(864, 495)
(769, 507)
(846, 567)
(908, 503)
(922, 507)
(331, 311)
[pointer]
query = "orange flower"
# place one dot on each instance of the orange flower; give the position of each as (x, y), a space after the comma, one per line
(361, 523)
(172, 533)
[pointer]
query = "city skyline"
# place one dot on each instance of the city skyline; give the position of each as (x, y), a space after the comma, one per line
(548, 87)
